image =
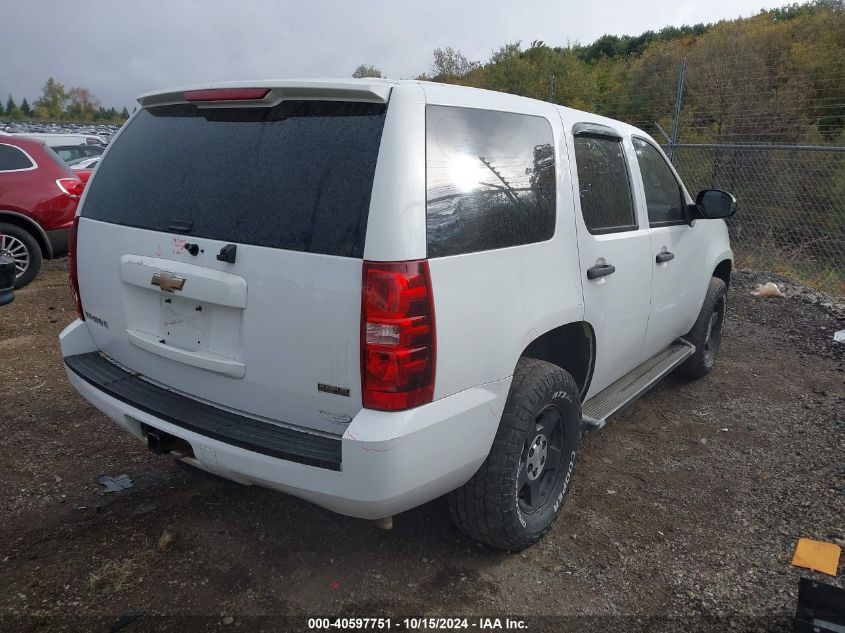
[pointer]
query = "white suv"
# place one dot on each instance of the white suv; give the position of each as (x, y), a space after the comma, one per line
(369, 294)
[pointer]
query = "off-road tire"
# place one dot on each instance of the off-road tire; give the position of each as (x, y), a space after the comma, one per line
(33, 252)
(487, 508)
(706, 334)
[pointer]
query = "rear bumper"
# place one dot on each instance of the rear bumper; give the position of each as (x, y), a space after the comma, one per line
(390, 462)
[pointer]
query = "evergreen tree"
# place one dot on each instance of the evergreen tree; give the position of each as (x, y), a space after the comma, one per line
(10, 105)
(25, 109)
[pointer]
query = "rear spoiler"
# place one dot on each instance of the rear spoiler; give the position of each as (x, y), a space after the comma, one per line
(276, 93)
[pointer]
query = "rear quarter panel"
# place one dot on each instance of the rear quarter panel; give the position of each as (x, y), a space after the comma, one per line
(490, 305)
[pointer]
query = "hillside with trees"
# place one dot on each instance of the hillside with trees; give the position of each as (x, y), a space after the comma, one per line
(754, 92)
(776, 77)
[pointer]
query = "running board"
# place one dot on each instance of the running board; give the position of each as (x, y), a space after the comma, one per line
(596, 411)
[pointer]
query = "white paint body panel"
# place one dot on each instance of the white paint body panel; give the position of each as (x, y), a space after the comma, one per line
(490, 305)
(391, 461)
(275, 323)
(299, 324)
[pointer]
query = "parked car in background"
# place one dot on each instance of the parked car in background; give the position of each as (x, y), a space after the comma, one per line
(73, 153)
(59, 139)
(84, 163)
(374, 293)
(84, 174)
(38, 198)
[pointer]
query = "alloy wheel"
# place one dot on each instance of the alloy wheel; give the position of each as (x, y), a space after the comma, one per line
(17, 251)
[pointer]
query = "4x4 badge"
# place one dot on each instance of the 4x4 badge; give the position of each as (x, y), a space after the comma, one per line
(167, 281)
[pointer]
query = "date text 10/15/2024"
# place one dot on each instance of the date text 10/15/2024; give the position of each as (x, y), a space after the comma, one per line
(417, 624)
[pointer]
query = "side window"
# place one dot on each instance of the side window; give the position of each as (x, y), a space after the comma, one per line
(662, 192)
(490, 180)
(604, 185)
(12, 159)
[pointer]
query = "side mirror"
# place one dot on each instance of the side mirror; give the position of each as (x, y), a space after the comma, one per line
(7, 279)
(714, 204)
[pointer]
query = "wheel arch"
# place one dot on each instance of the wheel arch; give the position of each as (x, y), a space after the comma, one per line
(571, 347)
(723, 271)
(31, 227)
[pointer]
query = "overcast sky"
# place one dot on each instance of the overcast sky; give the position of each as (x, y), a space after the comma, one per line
(121, 49)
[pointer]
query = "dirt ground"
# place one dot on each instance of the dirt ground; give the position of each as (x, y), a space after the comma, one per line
(684, 511)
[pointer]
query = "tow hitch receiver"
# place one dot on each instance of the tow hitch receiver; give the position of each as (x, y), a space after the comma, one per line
(160, 443)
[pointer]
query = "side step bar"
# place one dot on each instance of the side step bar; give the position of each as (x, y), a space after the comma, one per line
(596, 411)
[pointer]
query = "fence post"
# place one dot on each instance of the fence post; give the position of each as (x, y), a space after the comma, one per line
(551, 88)
(676, 120)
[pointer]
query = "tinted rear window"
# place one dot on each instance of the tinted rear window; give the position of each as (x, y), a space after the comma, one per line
(297, 176)
(490, 180)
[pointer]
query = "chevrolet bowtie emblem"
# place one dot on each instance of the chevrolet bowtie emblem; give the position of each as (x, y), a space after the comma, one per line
(167, 281)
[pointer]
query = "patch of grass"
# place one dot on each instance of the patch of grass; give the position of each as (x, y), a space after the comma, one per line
(165, 543)
(116, 575)
(828, 279)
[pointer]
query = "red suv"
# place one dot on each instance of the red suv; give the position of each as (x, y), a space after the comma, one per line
(38, 198)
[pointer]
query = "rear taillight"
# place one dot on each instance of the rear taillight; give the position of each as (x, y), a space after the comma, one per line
(397, 335)
(71, 267)
(72, 187)
(227, 94)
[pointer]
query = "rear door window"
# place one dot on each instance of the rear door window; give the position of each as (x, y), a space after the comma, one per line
(13, 159)
(297, 176)
(490, 180)
(604, 184)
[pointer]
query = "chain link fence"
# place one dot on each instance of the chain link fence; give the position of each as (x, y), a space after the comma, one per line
(772, 136)
(791, 203)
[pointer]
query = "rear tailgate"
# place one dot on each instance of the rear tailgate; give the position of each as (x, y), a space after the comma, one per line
(284, 190)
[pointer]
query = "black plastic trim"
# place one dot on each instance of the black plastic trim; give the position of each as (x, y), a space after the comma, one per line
(204, 419)
(595, 129)
(58, 242)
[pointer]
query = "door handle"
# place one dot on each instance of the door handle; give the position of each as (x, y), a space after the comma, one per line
(600, 270)
(664, 257)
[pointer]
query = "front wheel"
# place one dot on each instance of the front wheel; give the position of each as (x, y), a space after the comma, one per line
(24, 251)
(706, 334)
(516, 495)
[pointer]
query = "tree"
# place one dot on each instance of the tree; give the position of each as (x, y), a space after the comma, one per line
(10, 105)
(53, 99)
(509, 70)
(124, 114)
(83, 104)
(25, 108)
(451, 64)
(366, 70)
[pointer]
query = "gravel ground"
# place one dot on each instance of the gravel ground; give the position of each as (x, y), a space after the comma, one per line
(684, 512)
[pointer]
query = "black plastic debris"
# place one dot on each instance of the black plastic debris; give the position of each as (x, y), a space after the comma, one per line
(7, 279)
(115, 484)
(821, 608)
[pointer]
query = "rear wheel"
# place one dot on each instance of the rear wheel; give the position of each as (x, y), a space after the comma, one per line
(18, 244)
(706, 334)
(516, 495)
